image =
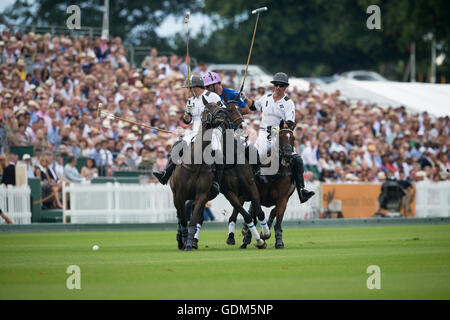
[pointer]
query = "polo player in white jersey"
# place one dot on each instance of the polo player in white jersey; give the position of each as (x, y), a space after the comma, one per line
(275, 107)
(194, 109)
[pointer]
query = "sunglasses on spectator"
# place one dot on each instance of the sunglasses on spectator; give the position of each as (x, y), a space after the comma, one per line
(281, 85)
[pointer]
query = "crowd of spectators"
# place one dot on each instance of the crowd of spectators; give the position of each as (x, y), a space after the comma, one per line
(50, 87)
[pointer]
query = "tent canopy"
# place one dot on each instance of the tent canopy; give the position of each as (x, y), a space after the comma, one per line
(415, 96)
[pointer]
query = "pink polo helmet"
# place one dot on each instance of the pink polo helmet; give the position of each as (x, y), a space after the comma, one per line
(210, 78)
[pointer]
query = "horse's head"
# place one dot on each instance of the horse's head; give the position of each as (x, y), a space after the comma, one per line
(233, 110)
(214, 115)
(286, 140)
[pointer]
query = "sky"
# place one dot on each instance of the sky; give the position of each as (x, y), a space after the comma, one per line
(168, 28)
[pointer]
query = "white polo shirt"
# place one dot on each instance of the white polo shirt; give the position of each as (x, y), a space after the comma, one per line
(273, 112)
(198, 107)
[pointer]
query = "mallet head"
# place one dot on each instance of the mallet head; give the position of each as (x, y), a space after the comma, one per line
(259, 10)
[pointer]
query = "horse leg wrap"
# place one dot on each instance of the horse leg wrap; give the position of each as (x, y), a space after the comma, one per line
(253, 230)
(184, 234)
(179, 237)
(231, 227)
(278, 237)
(247, 238)
(265, 227)
(197, 232)
(190, 236)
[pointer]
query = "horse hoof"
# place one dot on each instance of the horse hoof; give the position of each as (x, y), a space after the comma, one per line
(231, 241)
(262, 245)
(243, 246)
(188, 248)
(195, 244)
(279, 246)
(265, 236)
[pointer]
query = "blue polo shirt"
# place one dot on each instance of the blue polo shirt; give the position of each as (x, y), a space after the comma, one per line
(232, 95)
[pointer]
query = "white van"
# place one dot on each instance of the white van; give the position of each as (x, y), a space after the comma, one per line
(255, 73)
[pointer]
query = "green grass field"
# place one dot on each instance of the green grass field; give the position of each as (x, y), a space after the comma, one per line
(319, 263)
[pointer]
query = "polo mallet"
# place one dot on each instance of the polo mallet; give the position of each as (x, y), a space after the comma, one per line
(188, 60)
(101, 113)
(257, 11)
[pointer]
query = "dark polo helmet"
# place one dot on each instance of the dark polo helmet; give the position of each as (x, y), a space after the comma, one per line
(280, 77)
(194, 81)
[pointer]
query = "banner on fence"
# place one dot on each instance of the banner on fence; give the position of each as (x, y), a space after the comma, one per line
(361, 200)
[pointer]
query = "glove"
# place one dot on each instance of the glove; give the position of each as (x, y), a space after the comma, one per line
(242, 131)
(189, 109)
(243, 97)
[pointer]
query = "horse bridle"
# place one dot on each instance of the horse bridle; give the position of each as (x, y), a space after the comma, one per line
(235, 115)
(212, 112)
(287, 148)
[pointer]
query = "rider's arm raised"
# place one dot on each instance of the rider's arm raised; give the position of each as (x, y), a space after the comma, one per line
(187, 117)
(257, 105)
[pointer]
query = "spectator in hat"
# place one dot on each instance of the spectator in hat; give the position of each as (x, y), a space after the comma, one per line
(21, 68)
(121, 163)
(132, 141)
(371, 158)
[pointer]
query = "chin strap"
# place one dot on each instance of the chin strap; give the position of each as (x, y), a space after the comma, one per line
(193, 92)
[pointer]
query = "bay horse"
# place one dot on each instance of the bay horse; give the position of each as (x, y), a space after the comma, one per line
(193, 181)
(238, 183)
(277, 191)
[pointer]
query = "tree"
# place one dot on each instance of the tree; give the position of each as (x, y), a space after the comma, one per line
(133, 20)
(319, 37)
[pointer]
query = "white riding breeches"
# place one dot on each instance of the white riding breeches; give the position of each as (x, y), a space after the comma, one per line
(265, 142)
(215, 138)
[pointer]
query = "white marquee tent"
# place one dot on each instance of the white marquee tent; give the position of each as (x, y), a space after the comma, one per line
(415, 96)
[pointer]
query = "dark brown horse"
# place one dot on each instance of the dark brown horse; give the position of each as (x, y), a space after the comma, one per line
(193, 181)
(238, 184)
(278, 190)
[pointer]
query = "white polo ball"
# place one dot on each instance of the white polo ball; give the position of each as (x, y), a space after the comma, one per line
(95, 247)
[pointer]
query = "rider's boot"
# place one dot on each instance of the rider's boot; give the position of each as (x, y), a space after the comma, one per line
(164, 176)
(256, 167)
(297, 171)
(215, 188)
